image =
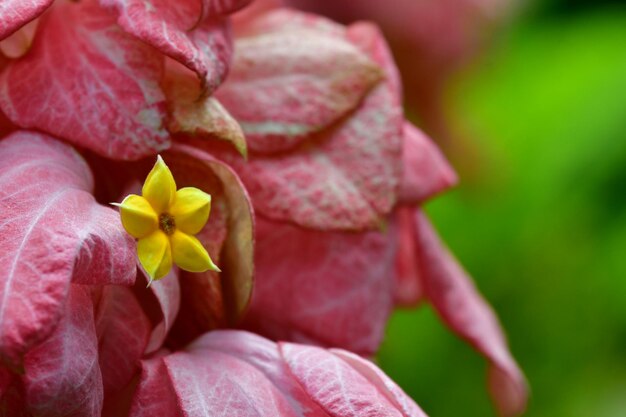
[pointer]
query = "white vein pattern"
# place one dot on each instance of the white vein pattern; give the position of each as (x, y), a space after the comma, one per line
(240, 374)
(53, 233)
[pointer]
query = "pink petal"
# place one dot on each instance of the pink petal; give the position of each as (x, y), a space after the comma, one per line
(52, 232)
(16, 13)
(346, 177)
(288, 82)
(183, 30)
(62, 375)
(251, 376)
(333, 289)
(426, 171)
(98, 91)
(122, 328)
(463, 309)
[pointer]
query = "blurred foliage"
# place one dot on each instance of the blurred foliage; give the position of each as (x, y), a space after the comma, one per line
(539, 220)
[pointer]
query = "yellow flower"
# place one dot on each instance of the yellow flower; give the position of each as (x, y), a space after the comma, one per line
(164, 221)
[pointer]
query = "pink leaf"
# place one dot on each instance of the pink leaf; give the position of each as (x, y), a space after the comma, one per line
(426, 171)
(345, 385)
(155, 394)
(463, 309)
(344, 178)
(62, 375)
(183, 31)
(385, 385)
(16, 13)
(52, 232)
(289, 82)
(251, 376)
(333, 289)
(87, 81)
(123, 329)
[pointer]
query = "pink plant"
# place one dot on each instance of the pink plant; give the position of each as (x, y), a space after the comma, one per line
(316, 181)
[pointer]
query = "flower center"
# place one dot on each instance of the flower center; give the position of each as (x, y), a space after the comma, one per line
(167, 223)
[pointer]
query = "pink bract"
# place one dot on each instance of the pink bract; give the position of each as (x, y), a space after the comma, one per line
(316, 180)
(265, 379)
(53, 234)
(349, 154)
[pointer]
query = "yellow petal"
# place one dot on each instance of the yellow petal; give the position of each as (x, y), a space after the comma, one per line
(189, 254)
(160, 187)
(191, 209)
(138, 217)
(155, 254)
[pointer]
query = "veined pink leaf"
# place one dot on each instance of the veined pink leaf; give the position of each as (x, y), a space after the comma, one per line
(250, 375)
(346, 387)
(326, 288)
(87, 81)
(183, 30)
(123, 329)
(16, 13)
(426, 171)
(62, 375)
(231, 207)
(52, 232)
(453, 295)
(385, 385)
(344, 178)
(287, 83)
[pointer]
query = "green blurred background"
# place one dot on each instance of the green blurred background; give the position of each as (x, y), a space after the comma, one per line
(539, 218)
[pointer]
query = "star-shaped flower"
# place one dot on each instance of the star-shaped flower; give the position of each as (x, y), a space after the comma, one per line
(164, 221)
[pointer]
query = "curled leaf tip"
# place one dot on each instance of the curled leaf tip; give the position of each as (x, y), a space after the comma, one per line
(164, 221)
